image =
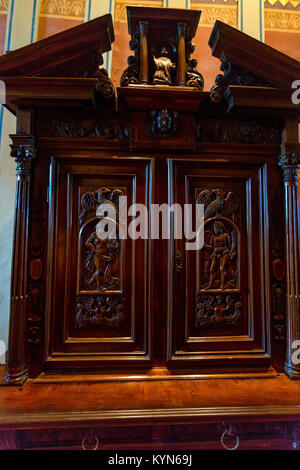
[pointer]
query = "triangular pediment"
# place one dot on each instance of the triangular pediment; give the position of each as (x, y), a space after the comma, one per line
(254, 61)
(75, 52)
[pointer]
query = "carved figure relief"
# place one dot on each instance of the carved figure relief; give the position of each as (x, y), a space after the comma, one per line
(219, 300)
(101, 255)
(99, 264)
(223, 248)
(218, 310)
(99, 311)
(164, 65)
(163, 123)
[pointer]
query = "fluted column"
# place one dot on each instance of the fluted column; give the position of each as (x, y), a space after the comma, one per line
(23, 151)
(289, 161)
(144, 59)
(181, 53)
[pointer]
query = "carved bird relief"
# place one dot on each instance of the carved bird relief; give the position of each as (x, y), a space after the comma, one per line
(223, 201)
(92, 199)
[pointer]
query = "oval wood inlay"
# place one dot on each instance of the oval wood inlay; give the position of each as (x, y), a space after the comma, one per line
(36, 269)
(278, 270)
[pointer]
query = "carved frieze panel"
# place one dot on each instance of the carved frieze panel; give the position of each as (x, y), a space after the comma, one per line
(237, 131)
(76, 126)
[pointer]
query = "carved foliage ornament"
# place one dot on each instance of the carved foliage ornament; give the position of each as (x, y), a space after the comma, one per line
(163, 123)
(99, 311)
(131, 74)
(109, 129)
(234, 75)
(219, 310)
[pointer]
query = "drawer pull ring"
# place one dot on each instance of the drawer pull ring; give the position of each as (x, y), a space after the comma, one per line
(84, 441)
(226, 433)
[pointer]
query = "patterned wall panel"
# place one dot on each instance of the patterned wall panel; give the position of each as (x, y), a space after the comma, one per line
(58, 15)
(212, 10)
(282, 25)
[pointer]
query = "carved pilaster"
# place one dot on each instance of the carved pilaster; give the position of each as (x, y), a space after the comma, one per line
(23, 151)
(289, 161)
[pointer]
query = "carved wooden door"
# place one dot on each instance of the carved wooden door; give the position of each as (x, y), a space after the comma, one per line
(98, 301)
(219, 295)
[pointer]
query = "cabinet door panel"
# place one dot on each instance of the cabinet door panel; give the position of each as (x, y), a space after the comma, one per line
(98, 301)
(220, 299)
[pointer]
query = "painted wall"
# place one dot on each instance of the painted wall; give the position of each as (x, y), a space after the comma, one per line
(24, 21)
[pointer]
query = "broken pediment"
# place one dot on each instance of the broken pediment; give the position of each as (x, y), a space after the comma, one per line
(76, 52)
(65, 67)
(262, 62)
(247, 63)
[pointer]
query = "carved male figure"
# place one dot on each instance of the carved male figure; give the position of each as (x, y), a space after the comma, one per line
(222, 251)
(164, 65)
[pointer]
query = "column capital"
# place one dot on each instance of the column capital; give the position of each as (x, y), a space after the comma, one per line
(23, 150)
(289, 160)
(182, 27)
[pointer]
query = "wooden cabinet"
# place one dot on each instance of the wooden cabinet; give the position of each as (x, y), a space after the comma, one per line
(129, 326)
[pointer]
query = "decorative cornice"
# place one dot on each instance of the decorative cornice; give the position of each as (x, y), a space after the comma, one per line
(23, 151)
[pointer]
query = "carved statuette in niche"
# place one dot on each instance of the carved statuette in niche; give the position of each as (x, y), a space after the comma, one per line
(164, 65)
